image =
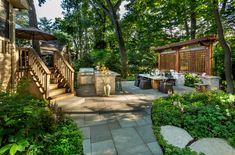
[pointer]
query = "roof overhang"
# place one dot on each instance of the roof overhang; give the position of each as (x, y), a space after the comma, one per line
(20, 4)
(202, 41)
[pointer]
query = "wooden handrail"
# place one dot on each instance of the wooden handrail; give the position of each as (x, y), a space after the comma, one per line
(65, 69)
(29, 59)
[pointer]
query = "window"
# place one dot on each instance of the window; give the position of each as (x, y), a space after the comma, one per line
(4, 18)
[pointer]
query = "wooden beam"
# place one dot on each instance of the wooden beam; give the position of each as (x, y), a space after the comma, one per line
(177, 61)
(203, 41)
(159, 61)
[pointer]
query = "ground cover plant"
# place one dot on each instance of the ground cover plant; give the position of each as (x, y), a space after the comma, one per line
(191, 79)
(30, 126)
(210, 114)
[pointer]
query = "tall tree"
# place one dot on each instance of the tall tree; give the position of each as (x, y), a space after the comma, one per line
(111, 9)
(227, 50)
(33, 23)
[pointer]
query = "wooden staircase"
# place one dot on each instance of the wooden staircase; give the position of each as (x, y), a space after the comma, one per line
(54, 84)
(58, 89)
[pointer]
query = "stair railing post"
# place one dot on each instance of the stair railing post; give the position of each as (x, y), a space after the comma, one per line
(47, 86)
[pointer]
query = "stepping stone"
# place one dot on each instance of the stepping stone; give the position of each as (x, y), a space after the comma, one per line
(212, 146)
(175, 136)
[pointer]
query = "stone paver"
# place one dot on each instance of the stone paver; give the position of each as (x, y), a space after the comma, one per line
(126, 138)
(146, 133)
(175, 136)
(119, 124)
(213, 146)
(100, 133)
(86, 132)
(86, 146)
(103, 148)
(155, 148)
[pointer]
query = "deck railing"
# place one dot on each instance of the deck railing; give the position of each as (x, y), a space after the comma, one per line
(29, 59)
(65, 69)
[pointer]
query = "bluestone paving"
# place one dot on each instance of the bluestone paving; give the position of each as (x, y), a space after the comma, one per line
(126, 138)
(87, 146)
(135, 150)
(86, 132)
(100, 133)
(155, 148)
(146, 133)
(119, 124)
(114, 125)
(103, 148)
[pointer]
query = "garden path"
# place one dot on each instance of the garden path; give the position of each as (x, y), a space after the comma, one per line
(119, 124)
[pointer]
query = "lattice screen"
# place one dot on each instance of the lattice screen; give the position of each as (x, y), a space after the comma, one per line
(189, 61)
(192, 61)
(167, 61)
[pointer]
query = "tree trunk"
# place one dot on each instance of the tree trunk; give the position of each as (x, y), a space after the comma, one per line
(186, 28)
(113, 16)
(121, 45)
(227, 50)
(193, 25)
(33, 23)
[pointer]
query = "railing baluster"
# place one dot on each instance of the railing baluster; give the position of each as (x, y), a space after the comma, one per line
(65, 69)
(28, 58)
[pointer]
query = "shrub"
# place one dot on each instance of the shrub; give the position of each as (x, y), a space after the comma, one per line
(191, 79)
(210, 114)
(28, 126)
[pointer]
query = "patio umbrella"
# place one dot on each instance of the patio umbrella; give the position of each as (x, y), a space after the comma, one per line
(34, 34)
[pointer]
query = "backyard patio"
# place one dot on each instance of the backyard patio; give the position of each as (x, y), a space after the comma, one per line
(118, 124)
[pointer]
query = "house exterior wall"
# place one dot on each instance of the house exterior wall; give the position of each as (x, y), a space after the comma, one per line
(8, 55)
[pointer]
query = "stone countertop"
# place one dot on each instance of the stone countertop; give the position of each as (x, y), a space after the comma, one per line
(154, 77)
(110, 73)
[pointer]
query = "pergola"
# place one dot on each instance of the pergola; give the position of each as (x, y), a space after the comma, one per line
(194, 56)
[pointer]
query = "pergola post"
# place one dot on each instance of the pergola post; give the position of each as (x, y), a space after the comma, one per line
(209, 59)
(159, 61)
(177, 60)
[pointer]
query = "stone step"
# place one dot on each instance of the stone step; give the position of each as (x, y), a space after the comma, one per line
(63, 96)
(70, 102)
(53, 93)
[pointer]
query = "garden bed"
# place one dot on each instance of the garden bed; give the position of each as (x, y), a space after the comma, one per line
(30, 126)
(210, 114)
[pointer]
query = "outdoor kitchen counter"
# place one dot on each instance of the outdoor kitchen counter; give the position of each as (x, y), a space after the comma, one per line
(98, 79)
(101, 79)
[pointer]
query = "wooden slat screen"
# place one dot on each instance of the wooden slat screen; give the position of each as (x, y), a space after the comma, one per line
(167, 61)
(192, 61)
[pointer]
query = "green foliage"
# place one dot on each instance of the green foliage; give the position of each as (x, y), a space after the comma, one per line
(26, 122)
(66, 139)
(191, 79)
(210, 114)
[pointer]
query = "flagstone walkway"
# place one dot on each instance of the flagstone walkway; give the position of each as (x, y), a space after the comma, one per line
(120, 124)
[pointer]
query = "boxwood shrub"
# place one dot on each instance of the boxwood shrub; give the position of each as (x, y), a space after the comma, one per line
(210, 114)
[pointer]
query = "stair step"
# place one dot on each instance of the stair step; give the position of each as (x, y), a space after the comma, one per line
(56, 92)
(53, 86)
(62, 97)
(71, 103)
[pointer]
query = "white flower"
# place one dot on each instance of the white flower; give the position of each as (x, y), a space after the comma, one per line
(227, 112)
(217, 107)
(175, 103)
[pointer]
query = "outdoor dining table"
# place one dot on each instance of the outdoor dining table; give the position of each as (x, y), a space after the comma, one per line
(155, 80)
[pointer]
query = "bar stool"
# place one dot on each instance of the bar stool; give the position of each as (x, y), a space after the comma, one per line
(137, 80)
(118, 81)
(145, 83)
